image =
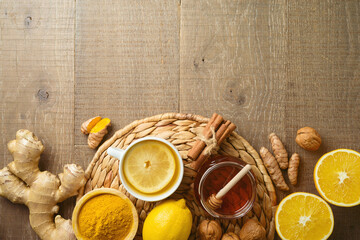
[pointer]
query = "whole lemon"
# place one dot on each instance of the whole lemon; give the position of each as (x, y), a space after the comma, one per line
(170, 220)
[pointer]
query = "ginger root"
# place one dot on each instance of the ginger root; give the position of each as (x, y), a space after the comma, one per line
(279, 150)
(273, 168)
(96, 128)
(89, 124)
(22, 182)
(293, 168)
(252, 230)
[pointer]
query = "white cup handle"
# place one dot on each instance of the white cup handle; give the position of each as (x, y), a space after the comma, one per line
(115, 152)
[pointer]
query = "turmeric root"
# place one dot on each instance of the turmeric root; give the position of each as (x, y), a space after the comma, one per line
(89, 124)
(293, 168)
(96, 128)
(98, 132)
(279, 150)
(273, 169)
(22, 182)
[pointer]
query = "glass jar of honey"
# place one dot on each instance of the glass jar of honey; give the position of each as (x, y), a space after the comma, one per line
(215, 173)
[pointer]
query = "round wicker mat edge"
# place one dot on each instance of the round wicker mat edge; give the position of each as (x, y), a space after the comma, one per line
(181, 130)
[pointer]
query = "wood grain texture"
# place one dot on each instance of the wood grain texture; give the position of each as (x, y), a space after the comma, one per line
(277, 67)
(37, 90)
(268, 66)
(233, 56)
(323, 88)
(233, 59)
(127, 60)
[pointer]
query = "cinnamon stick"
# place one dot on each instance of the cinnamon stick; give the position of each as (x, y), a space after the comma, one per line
(199, 146)
(211, 121)
(222, 129)
(228, 130)
(199, 161)
(223, 132)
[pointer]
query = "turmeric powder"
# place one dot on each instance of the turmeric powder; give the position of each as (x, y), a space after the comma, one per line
(105, 217)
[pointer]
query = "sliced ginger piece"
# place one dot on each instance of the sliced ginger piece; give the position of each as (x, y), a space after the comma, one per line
(89, 124)
(98, 132)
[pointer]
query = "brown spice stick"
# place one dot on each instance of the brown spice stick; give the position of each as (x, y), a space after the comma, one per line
(211, 122)
(199, 146)
(227, 133)
(202, 157)
(199, 161)
(223, 132)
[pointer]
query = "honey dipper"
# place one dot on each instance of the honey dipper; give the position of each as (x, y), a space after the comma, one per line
(215, 201)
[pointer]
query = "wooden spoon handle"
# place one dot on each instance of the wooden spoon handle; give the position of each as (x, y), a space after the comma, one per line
(233, 181)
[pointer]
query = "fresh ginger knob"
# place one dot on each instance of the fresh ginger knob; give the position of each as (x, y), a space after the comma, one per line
(22, 182)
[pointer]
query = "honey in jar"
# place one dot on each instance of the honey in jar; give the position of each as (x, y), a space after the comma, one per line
(215, 173)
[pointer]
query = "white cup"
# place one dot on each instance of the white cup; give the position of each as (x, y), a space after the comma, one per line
(120, 154)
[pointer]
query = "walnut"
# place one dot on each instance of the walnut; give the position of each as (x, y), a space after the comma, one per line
(252, 230)
(308, 138)
(230, 236)
(209, 230)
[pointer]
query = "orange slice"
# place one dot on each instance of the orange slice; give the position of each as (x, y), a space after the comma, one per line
(337, 177)
(304, 216)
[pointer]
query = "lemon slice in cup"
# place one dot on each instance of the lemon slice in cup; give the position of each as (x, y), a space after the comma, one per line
(149, 166)
(337, 177)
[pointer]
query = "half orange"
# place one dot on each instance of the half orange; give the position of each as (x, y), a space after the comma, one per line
(337, 177)
(304, 216)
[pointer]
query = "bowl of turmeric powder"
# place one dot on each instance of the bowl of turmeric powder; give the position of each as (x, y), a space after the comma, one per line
(105, 214)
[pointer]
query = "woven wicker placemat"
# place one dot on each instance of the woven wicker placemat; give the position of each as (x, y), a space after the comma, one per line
(181, 130)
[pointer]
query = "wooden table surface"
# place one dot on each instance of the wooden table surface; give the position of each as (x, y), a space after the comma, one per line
(265, 65)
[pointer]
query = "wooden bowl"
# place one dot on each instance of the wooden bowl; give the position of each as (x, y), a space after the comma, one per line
(98, 192)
